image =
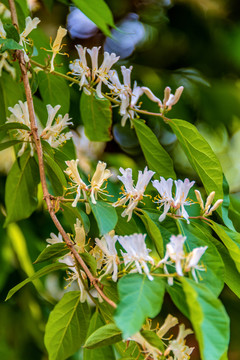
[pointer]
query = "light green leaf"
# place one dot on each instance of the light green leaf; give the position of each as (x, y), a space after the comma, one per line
(54, 251)
(7, 144)
(153, 232)
(157, 158)
(139, 298)
(231, 240)
(105, 215)
(209, 319)
(90, 261)
(200, 156)
(9, 44)
(67, 326)
(105, 352)
(98, 12)
(21, 189)
(106, 335)
(97, 117)
(153, 339)
(12, 126)
(54, 91)
(55, 173)
(44, 271)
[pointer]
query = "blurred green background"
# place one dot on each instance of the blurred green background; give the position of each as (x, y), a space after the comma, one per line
(194, 43)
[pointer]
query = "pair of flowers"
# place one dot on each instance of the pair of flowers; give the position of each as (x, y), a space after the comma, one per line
(52, 133)
(128, 97)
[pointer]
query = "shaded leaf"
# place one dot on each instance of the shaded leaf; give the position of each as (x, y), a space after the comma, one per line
(105, 215)
(106, 335)
(54, 251)
(7, 144)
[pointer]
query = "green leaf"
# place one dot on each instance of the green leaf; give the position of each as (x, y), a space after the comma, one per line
(105, 352)
(9, 44)
(200, 156)
(44, 271)
(71, 214)
(12, 126)
(105, 215)
(54, 251)
(67, 326)
(225, 205)
(56, 175)
(21, 189)
(98, 12)
(106, 335)
(139, 298)
(153, 232)
(231, 240)
(213, 277)
(157, 158)
(209, 319)
(90, 261)
(9, 143)
(54, 91)
(11, 32)
(97, 117)
(153, 339)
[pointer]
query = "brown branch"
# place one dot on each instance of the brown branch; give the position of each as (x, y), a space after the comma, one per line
(36, 138)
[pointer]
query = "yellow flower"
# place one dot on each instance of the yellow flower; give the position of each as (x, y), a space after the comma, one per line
(57, 45)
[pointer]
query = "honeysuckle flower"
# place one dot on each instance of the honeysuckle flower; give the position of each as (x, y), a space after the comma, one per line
(164, 187)
(57, 45)
(4, 64)
(137, 252)
(74, 275)
(99, 177)
(31, 24)
(20, 114)
(80, 68)
(80, 236)
(54, 239)
(207, 210)
(178, 346)
(111, 259)
(174, 251)
(170, 99)
(149, 350)
(102, 73)
(132, 194)
(169, 322)
(51, 132)
(192, 261)
(78, 183)
(2, 31)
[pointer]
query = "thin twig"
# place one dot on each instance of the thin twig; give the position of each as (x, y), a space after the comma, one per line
(36, 138)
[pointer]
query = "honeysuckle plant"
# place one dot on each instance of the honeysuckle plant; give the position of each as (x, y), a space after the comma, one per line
(122, 239)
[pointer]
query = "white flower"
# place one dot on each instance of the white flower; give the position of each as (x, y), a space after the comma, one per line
(169, 322)
(51, 133)
(174, 251)
(136, 251)
(164, 187)
(20, 114)
(56, 48)
(207, 210)
(78, 183)
(2, 31)
(31, 24)
(102, 73)
(178, 347)
(79, 67)
(99, 177)
(192, 261)
(54, 239)
(131, 193)
(149, 350)
(107, 245)
(169, 99)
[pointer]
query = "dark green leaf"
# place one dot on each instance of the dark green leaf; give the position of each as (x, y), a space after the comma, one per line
(54, 251)
(54, 91)
(98, 12)
(9, 143)
(200, 156)
(11, 32)
(56, 174)
(157, 158)
(67, 326)
(71, 214)
(105, 352)
(139, 298)
(9, 44)
(44, 271)
(105, 215)
(90, 261)
(153, 339)
(106, 335)
(11, 126)
(97, 117)
(209, 319)
(21, 189)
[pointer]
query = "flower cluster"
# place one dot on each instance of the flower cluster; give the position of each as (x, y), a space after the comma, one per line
(176, 349)
(30, 25)
(52, 133)
(183, 262)
(126, 96)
